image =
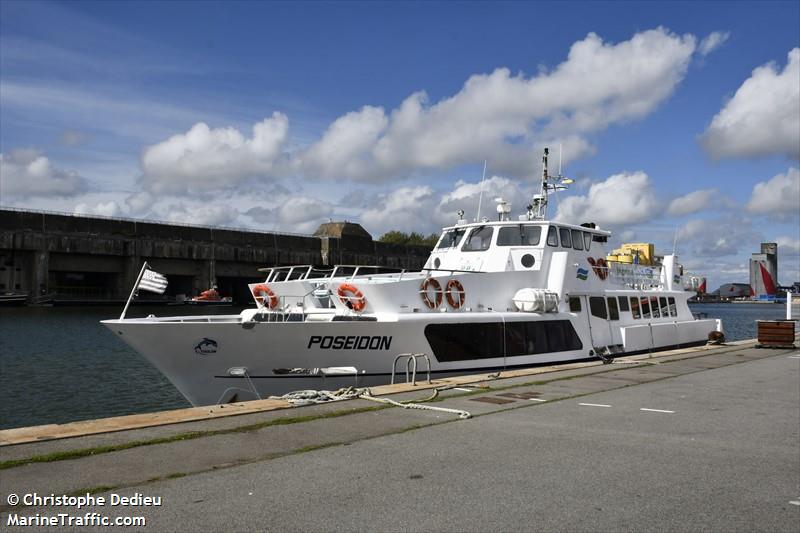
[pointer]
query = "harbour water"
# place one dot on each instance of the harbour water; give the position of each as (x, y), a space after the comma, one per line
(60, 365)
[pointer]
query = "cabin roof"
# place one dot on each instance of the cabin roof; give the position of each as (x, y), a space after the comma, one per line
(501, 223)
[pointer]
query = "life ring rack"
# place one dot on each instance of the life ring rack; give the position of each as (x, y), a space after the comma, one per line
(436, 301)
(352, 297)
(261, 292)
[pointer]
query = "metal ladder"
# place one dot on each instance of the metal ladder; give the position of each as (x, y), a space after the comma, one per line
(411, 365)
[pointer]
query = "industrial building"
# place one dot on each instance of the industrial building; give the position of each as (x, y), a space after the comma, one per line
(764, 272)
(61, 258)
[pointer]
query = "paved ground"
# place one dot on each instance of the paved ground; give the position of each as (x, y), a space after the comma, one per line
(701, 443)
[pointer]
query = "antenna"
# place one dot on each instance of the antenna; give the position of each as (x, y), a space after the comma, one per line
(560, 145)
(675, 241)
(480, 198)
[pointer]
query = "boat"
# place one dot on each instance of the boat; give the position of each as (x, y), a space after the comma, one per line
(209, 297)
(492, 295)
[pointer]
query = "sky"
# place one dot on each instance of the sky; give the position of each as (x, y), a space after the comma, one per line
(678, 121)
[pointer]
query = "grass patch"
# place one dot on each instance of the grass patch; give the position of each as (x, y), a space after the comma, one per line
(97, 450)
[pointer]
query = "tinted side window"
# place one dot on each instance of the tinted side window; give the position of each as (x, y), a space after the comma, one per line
(510, 236)
(460, 342)
(654, 307)
(566, 241)
(577, 239)
(552, 236)
(623, 303)
(613, 312)
(451, 238)
(522, 235)
(597, 305)
(645, 303)
(635, 307)
(479, 240)
(663, 304)
(673, 310)
(575, 304)
(531, 235)
(587, 240)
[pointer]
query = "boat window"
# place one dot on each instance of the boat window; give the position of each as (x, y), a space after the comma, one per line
(566, 240)
(587, 240)
(574, 304)
(479, 240)
(597, 305)
(577, 239)
(552, 236)
(613, 312)
(522, 235)
(450, 238)
(654, 307)
(635, 307)
(664, 307)
(465, 341)
(673, 310)
(645, 304)
(623, 303)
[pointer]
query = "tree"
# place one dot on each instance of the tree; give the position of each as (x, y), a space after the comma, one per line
(413, 238)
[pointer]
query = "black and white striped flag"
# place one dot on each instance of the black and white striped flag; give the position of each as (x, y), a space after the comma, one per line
(153, 281)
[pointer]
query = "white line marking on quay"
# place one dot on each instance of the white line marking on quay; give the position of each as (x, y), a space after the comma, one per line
(537, 400)
(795, 356)
(795, 503)
(656, 410)
(594, 404)
(463, 389)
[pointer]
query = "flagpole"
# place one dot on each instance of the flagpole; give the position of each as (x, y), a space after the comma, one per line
(135, 286)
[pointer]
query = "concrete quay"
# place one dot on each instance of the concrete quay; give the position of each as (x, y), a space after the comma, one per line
(695, 439)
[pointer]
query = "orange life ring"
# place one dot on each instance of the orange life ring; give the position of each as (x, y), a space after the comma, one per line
(459, 290)
(261, 291)
(437, 291)
(350, 296)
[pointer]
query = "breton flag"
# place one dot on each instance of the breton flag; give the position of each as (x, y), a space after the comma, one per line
(153, 281)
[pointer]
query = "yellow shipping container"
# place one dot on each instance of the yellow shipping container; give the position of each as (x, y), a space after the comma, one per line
(628, 253)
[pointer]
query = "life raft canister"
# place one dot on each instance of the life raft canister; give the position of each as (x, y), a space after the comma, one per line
(261, 292)
(455, 287)
(436, 301)
(350, 296)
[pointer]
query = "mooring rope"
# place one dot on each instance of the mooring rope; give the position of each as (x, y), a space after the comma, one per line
(312, 397)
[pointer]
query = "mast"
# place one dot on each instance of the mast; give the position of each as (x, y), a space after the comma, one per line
(538, 208)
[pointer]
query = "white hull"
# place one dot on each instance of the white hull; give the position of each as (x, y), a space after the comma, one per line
(266, 349)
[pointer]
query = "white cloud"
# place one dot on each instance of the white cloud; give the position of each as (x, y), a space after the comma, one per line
(712, 41)
(297, 214)
(762, 118)
(197, 213)
(790, 245)
(780, 194)
(73, 138)
(344, 149)
(205, 159)
(502, 117)
(717, 237)
(27, 173)
(691, 203)
(625, 198)
(106, 209)
(402, 209)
